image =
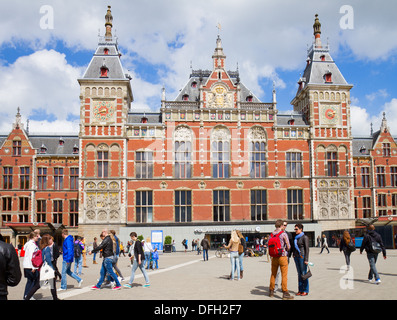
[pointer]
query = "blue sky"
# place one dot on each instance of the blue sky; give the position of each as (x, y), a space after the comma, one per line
(160, 40)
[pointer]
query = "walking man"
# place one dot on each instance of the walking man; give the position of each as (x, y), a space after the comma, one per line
(138, 261)
(68, 255)
(206, 245)
(281, 260)
(108, 250)
(370, 241)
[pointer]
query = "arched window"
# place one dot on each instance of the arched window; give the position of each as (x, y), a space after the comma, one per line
(183, 152)
(257, 138)
(220, 150)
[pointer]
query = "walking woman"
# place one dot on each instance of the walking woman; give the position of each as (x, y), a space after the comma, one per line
(234, 256)
(45, 247)
(344, 246)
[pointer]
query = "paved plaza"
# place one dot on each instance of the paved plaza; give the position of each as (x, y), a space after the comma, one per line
(185, 276)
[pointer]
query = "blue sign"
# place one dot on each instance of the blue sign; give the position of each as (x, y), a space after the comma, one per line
(157, 240)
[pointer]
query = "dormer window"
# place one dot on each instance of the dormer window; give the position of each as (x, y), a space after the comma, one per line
(144, 120)
(104, 71)
(328, 77)
(75, 149)
(185, 97)
(106, 51)
(43, 149)
(61, 142)
(194, 84)
(363, 150)
(291, 122)
(249, 99)
(322, 58)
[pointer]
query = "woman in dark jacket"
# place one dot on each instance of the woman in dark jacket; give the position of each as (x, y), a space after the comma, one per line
(300, 250)
(343, 246)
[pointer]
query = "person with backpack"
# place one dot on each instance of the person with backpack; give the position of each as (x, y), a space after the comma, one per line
(300, 250)
(347, 246)
(30, 272)
(279, 247)
(373, 245)
(78, 256)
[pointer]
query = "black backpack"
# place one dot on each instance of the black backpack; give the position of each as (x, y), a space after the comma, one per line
(77, 250)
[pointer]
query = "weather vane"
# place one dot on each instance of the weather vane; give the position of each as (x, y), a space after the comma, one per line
(219, 27)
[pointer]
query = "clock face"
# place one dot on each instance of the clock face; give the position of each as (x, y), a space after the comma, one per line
(103, 111)
(330, 115)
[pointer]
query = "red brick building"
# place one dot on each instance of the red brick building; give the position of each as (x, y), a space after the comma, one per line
(214, 159)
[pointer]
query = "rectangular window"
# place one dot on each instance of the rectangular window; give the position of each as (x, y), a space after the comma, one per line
(103, 163)
(295, 204)
(294, 165)
(23, 218)
(393, 174)
(144, 206)
(58, 178)
(380, 177)
(386, 149)
(183, 206)
(16, 148)
(258, 205)
(258, 160)
(183, 159)
(221, 205)
(332, 164)
(220, 159)
(144, 165)
(365, 177)
(5, 218)
(42, 178)
(41, 210)
(394, 203)
(57, 211)
(23, 204)
(356, 207)
(367, 207)
(7, 178)
(74, 213)
(382, 204)
(24, 178)
(74, 178)
(7, 203)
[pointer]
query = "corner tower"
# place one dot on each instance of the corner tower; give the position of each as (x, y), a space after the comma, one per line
(323, 96)
(106, 96)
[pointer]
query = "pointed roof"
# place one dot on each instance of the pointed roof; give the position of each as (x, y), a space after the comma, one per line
(320, 64)
(107, 55)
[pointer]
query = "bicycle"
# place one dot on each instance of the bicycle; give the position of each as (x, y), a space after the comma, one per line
(220, 252)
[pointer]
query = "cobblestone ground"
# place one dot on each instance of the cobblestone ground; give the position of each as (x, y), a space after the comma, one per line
(185, 276)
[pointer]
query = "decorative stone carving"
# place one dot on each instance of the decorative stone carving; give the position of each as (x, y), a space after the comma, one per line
(257, 133)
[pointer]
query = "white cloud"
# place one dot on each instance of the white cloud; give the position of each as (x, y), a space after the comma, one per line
(40, 82)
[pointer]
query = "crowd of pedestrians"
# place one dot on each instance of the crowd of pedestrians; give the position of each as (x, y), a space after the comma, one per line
(280, 246)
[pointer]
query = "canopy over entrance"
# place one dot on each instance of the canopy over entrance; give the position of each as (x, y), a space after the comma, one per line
(22, 228)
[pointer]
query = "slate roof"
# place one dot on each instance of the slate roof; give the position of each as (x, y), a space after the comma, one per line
(152, 117)
(52, 143)
(203, 75)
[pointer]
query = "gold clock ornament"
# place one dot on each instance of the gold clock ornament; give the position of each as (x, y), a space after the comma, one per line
(103, 111)
(330, 114)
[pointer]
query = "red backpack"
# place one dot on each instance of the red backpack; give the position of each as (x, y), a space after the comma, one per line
(274, 244)
(37, 258)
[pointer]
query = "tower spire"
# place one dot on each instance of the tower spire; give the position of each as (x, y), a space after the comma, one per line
(317, 31)
(108, 24)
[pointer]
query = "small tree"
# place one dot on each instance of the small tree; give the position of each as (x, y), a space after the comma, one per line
(168, 240)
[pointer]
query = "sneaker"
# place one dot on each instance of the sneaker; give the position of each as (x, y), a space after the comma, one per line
(370, 280)
(146, 285)
(81, 281)
(116, 288)
(95, 288)
(287, 296)
(61, 289)
(127, 286)
(377, 281)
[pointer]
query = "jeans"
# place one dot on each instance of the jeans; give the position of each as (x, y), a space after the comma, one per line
(234, 260)
(135, 266)
(78, 264)
(66, 266)
(155, 263)
(301, 267)
(372, 257)
(240, 262)
(347, 257)
(32, 278)
(107, 268)
(205, 254)
(147, 259)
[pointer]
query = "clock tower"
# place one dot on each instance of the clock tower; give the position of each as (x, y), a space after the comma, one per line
(106, 96)
(323, 97)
